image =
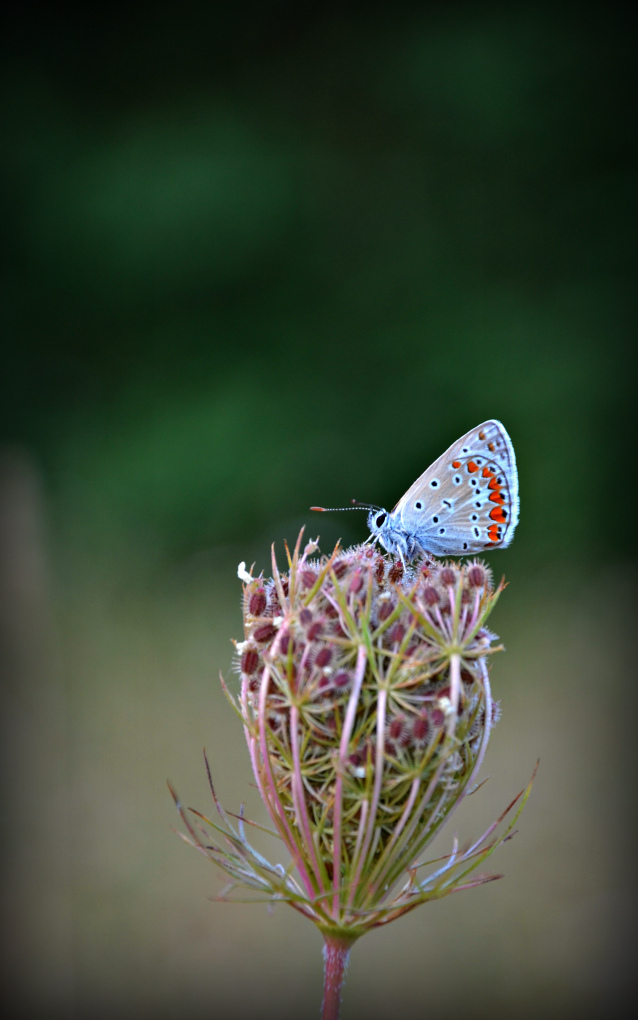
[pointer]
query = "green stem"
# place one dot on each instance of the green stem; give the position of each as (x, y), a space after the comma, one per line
(336, 952)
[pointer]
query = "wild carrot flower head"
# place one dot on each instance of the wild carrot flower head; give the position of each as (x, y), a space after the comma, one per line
(367, 710)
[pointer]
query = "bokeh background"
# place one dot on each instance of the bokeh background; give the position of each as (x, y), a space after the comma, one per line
(267, 255)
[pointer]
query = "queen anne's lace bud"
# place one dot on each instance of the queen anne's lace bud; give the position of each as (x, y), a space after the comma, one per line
(367, 709)
(359, 760)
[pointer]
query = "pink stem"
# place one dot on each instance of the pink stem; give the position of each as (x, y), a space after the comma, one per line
(336, 952)
(475, 614)
(343, 751)
(488, 722)
(423, 803)
(252, 745)
(463, 620)
(479, 759)
(277, 812)
(355, 857)
(386, 863)
(455, 689)
(301, 808)
(376, 792)
(444, 628)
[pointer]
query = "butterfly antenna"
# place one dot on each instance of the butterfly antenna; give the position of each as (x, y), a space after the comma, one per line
(356, 506)
(364, 506)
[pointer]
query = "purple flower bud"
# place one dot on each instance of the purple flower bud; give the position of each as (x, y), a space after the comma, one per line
(323, 657)
(395, 728)
(420, 727)
(437, 718)
(250, 661)
(342, 680)
(356, 582)
(396, 633)
(395, 572)
(308, 578)
(257, 603)
(265, 632)
(385, 610)
(476, 576)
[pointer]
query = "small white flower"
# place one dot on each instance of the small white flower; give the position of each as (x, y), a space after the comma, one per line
(242, 573)
(360, 772)
(277, 621)
(241, 645)
(446, 706)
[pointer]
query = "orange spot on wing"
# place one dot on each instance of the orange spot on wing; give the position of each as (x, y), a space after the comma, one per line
(491, 447)
(497, 515)
(456, 463)
(481, 435)
(496, 497)
(487, 473)
(472, 467)
(493, 484)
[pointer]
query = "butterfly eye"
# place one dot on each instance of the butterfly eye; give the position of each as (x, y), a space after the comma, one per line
(380, 520)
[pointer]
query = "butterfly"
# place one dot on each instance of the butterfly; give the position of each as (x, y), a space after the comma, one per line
(465, 502)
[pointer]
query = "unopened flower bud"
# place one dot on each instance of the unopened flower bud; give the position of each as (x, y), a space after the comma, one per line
(366, 704)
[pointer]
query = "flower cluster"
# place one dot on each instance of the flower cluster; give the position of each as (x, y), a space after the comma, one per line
(369, 682)
(366, 705)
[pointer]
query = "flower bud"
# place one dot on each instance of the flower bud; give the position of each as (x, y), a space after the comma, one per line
(366, 705)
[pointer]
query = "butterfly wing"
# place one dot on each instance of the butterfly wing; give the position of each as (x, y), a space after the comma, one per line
(467, 501)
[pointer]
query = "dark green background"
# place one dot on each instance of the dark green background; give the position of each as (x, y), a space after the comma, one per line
(278, 255)
(262, 256)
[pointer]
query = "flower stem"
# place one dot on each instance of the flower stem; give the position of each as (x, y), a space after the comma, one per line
(336, 952)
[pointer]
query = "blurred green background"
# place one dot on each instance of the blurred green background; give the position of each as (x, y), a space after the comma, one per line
(259, 257)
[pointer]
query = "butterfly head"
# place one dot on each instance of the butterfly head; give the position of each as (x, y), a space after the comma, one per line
(376, 520)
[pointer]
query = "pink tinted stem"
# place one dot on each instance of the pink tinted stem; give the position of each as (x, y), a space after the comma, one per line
(268, 786)
(455, 687)
(301, 808)
(376, 790)
(343, 753)
(336, 952)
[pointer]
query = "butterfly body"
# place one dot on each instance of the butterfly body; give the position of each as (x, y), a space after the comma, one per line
(389, 531)
(465, 502)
